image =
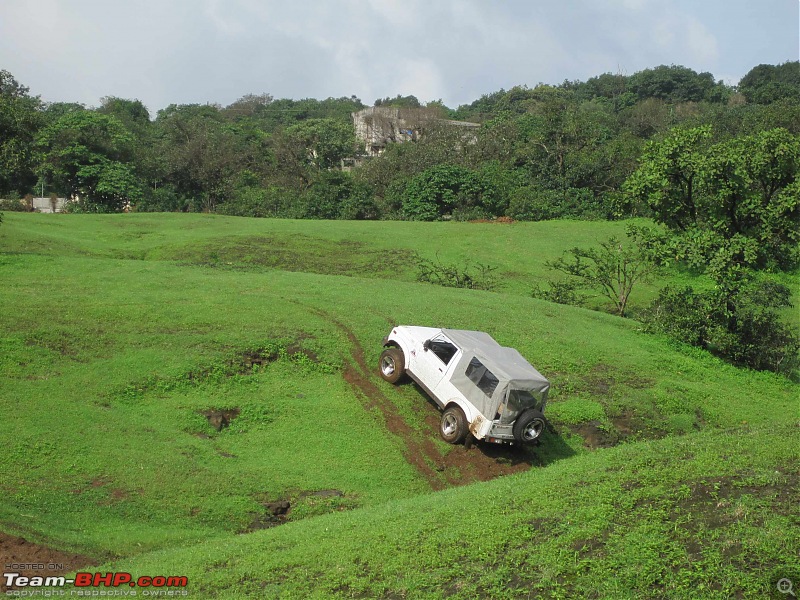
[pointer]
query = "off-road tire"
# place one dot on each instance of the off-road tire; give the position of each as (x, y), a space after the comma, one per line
(392, 365)
(454, 427)
(529, 426)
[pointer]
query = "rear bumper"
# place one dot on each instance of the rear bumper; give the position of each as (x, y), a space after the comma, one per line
(501, 432)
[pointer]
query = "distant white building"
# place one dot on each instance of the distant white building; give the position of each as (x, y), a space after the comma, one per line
(49, 205)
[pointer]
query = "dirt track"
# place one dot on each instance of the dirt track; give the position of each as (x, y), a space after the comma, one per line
(458, 465)
(40, 561)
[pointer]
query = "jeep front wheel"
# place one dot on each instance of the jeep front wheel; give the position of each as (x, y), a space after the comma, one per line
(529, 426)
(392, 364)
(454, 425)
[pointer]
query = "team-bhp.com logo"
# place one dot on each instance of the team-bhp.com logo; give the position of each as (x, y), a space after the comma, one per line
(89, 584)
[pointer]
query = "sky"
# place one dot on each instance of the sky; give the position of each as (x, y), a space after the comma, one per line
(166, 52)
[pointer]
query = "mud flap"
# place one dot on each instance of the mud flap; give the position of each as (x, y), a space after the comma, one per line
(476, 426)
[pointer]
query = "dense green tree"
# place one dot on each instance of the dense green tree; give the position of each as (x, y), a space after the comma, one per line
(677, 84)
(766, 84)
(280, 113)
(743, 188)
(667, 179)
(248, 106)
(147, 156)
(20, 119)
(131, 113)
(88, 155)
(613, 87)
(53, 111)
(399, 102)
(440, 191)
(202, 154)
(321, 143)
(482, 109)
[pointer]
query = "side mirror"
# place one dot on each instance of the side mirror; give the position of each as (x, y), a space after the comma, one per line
(426, 345)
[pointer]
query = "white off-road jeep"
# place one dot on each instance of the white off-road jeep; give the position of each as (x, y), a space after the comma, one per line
(485, 389)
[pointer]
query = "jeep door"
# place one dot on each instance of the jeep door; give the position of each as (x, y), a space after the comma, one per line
(431, 360)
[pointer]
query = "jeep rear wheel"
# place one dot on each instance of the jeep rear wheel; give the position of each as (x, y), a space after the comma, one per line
(529, 426)
(454, 425)
(392, 364)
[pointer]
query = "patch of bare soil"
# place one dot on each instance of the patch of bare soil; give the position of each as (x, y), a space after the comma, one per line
(18, 555)
(625, 425)
(220, 418)
(276, 512)
(483, 461)
(594, 436)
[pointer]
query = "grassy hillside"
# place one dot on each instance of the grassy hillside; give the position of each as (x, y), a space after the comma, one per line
(129, 342)
(695, 517)
(359, 248)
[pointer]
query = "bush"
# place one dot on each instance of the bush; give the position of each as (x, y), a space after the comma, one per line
(162, 199)
(560, 292)
(473, 276)
(336, 195)
(14, 206)
(539, 204)
(444, 190)
(359, 204)
(262, 202)
(739, 324)
(679, 313)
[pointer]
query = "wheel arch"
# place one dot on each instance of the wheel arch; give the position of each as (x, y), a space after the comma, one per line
(469, 412)
(393, 343)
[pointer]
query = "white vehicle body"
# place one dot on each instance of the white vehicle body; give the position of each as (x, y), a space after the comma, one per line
(492, 385)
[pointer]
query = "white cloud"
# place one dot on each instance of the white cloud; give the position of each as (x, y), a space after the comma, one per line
(214, 50)
(702, 43)
(223, 20)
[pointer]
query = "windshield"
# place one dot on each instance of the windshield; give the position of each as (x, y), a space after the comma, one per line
(516, 402)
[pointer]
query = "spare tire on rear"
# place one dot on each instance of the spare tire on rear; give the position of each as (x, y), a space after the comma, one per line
(529, 426)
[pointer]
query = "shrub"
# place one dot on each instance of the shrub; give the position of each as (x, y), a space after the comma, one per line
(442, 190)
(738, 323)
(14, 206)
(539, 204)
(254, 201)
(161, 199)
(560, 292)
(473, 276)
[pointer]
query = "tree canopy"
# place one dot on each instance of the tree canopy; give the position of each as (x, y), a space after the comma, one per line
(541, 152)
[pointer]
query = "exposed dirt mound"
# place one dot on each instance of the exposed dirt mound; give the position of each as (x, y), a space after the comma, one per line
(594, 436)
(257, 357)
(275, 513)
(18, 555)
(218, 418)
(623, 426)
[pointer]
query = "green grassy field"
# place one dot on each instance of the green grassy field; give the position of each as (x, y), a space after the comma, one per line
(126, 339)
(358, 248)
